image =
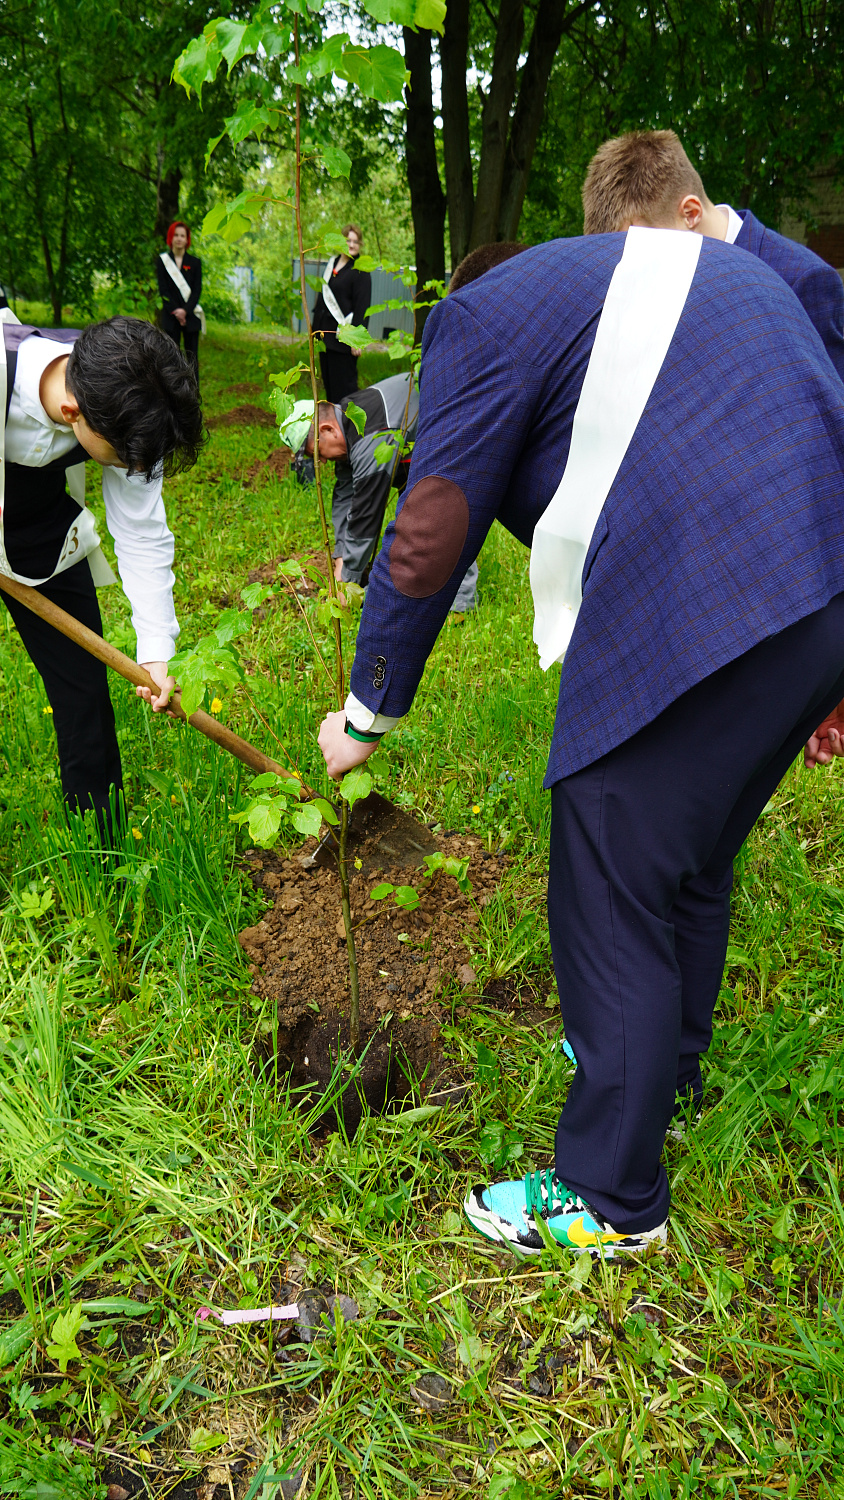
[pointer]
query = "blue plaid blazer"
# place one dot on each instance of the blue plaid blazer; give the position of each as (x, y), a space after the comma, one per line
(725, 523)
(818, 286)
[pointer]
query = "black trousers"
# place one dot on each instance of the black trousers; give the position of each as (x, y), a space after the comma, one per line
(339, 371)
(77, 688)
(642, 848)
(173, 327)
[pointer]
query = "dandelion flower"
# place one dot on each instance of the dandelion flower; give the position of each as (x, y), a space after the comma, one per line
(216, 705)
(475, 808)
(136, 833)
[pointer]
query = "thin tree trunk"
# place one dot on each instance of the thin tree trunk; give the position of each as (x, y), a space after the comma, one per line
(53, 290)
(427, 199)
(166, 201)
(553, 18)
(457, 154)
(496, 122)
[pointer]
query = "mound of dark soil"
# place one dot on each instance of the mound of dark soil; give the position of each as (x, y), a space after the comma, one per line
(242, 416)
(407, 962)
(273, 467)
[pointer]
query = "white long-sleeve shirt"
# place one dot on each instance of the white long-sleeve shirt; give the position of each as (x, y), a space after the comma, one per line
(135, 513)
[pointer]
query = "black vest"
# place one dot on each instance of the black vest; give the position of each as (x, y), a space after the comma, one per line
(38, 512)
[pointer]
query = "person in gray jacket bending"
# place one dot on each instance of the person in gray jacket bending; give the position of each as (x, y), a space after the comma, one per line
(368, 464)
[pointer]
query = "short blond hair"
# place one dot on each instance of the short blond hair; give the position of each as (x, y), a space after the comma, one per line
(641, 175)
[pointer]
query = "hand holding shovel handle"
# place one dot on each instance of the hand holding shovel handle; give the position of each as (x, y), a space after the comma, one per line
(96, 646)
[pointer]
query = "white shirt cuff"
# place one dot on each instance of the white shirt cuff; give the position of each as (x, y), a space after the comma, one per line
(155, 648)
(362, 718)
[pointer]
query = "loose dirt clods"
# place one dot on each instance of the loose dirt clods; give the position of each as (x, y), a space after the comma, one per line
(407, 962)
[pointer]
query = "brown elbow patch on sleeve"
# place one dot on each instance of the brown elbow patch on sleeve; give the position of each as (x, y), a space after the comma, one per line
(429, 538)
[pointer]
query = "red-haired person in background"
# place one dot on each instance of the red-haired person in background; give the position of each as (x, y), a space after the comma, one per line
(345, 298)
(180, 288)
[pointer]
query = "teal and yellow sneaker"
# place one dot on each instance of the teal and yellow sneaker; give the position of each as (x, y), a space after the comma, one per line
(507, 1212)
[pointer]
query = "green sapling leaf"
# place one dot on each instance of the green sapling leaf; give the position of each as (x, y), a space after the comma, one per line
(270, 779)
(384, 453)
(307, 820)
(334, 244)
(236, 39)
(355, 785)
(335, 160)
(254, 594)
(399, 343)
(356, 417)
(232, 623)
(286, 378)
(264, 823)
(355, 336)
(379, 71)
(406, 897)
(378, 892)
(430, 15)
(197, 65)
(328, 813)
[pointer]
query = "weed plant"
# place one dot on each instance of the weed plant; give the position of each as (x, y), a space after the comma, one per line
(149, 1166)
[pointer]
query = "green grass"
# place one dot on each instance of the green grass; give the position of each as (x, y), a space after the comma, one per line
(144, 1157)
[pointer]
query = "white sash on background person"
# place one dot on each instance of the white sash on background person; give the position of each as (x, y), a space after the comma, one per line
(178, 280)
(329, 298)
(643, 305)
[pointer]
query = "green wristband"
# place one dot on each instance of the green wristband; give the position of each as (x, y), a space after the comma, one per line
(366, 737)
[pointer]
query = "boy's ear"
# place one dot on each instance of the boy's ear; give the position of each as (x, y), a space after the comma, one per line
(70, 410)
(690, 210)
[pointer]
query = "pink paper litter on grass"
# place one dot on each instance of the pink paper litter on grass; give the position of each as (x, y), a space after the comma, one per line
(248, 1314)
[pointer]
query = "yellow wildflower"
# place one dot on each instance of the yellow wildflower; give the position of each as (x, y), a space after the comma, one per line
(136, 833)
(216, 705)
(46, 710)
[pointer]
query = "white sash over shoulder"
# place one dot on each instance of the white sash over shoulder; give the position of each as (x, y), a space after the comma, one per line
(643, 305)
(329, 298)
(180, 281)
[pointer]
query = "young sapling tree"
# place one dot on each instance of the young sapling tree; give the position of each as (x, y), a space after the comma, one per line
(294, 33)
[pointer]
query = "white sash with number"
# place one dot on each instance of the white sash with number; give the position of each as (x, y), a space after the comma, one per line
(645, 299)
(179, 280)
(329, 298)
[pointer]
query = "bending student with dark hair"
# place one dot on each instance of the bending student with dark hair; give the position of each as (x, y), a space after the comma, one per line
(121, 394)
(180, 288)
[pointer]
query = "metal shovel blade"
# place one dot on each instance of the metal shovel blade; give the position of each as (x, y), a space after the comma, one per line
(381, 835)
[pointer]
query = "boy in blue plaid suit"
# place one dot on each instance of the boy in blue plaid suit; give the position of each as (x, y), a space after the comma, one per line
(645, 177)
(692, 587)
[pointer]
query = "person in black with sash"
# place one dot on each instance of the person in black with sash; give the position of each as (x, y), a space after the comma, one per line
(345, 298)
(180, 288)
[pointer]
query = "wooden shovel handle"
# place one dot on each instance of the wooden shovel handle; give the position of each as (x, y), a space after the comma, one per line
(96, 646)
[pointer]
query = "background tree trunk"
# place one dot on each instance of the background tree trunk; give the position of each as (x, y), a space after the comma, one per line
(459, 182)
(552, 19)
(496, 122)
(166, 201)
(427, 199)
